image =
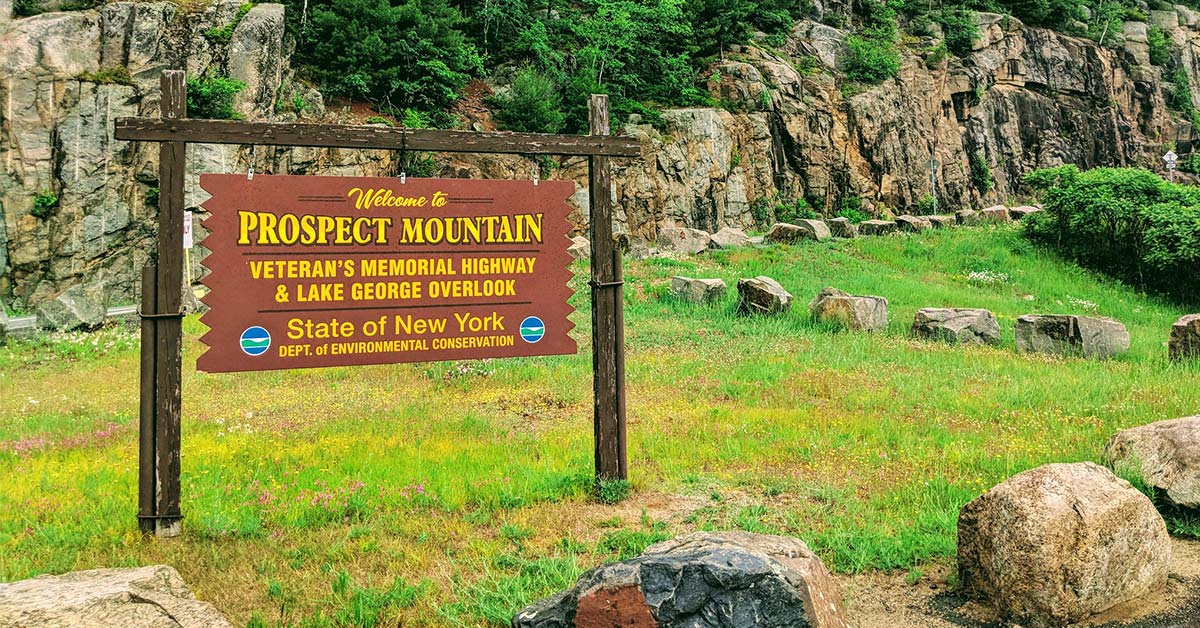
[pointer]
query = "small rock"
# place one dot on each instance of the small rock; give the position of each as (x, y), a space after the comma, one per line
(762, 295)
(77, 307)
(877, 227)
(995, 213)
(1019, 213)
(701, 291)
(852, 312)
(842, 228)
(1060, 543)
(683, 240)
(914, 224)
(957, 326)
(728, 238)
(1165, 454)
(733, 579)
(581, 248)
(1071, 335)
(107, 598)
(968, 217)
(942, 222)
(1185, 338)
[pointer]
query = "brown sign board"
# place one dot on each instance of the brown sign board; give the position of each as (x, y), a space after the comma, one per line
(312, 271)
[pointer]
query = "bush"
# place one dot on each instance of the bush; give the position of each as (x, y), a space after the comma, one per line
(798, 209)
(43, 204)
(1160, 47)
(212, 97)
(959, 29)
(531, 105)
(927, 206)
(870, 60)
(222, 35)
(981, 172)
(1126, 222)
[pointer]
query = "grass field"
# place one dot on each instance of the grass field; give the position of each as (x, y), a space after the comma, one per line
(454, 494)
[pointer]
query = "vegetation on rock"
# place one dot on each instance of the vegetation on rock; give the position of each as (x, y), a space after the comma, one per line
(211, 97)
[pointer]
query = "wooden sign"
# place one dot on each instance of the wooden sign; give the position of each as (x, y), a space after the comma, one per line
(339, 271)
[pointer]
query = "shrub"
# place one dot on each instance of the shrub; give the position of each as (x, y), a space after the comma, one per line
(212, 97)
(851, 209)
(43, 204)
(1126, 222)
(959, 29)
(222, 35)
(981, 172)
(927, 206)
(798, 209)
(1180, 96)
(870, 60)
(116, 75)
(1160, 47)
(532, 104)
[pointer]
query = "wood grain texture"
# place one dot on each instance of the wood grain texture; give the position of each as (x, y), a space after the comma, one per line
(367, 137)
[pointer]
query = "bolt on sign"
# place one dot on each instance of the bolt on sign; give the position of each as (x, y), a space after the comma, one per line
(338, 271)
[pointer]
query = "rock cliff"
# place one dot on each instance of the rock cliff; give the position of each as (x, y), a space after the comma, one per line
(790, 127)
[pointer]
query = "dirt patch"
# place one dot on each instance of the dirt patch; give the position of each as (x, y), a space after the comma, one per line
(878, 600)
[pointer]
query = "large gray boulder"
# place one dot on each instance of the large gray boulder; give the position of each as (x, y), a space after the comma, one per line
(856, 313)
(581, 248)
(701, 291)
(1020, 213)
(762, 295)
(913, 224)
(842, 228)
(683, 240)
(257, 58)
(143, 597)
(78, 307)
(788, 233)
(1071, 335)
(1164, 454)
(1060, 543)
(995, 214)
(701, 580)
(1185, 338)
(943, 221)
(957, 325)
(728, 238)
(877, 227)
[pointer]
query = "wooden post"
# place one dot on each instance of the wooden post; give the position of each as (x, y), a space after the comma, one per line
(166, 320)
(608, 351)
(146, 476)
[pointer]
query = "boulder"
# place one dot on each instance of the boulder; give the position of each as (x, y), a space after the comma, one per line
(78, 307)
(1019, 213)
(787, 233)
(581, 248)
(143, 597)
(968, 217)
(913, 224)
(683, 240)
(842, 228)
(1060, 543)
(1185, 338)
(1071, 335)
(1165, 454)
(877, 227)
(728, 237)
(994, 214)
(762, 295)
(942, 222)
(958, 326)
(704, 579)
(697, 290)
(852, 312)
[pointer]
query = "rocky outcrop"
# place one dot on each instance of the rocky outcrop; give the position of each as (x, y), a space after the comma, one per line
(701, 579)
(1165, 455)
(107, 598)
(1060, 543)
(852, 312)
(957, 326)
(703, 291)
(762, 295)
(1071, 335)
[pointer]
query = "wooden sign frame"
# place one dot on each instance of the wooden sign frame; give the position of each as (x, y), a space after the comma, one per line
(162, 282)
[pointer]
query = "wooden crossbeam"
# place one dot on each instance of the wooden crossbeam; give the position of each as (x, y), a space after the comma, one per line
(368, 137)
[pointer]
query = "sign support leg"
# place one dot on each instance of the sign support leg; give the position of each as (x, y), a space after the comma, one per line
(161, 406)
(608, 350)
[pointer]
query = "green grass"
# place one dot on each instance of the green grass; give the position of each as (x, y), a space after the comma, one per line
(470, 485)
